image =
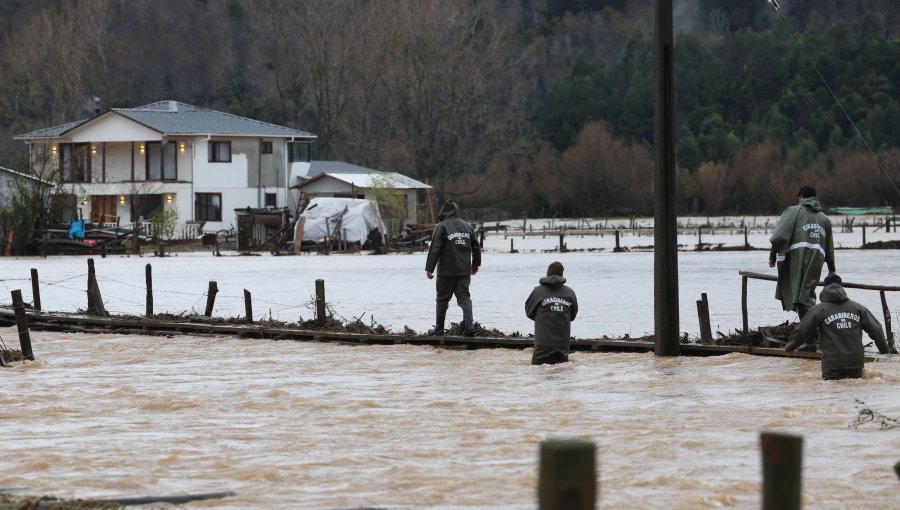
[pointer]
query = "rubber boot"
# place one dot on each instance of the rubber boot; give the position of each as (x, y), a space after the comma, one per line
(468, 323)
(438, 329)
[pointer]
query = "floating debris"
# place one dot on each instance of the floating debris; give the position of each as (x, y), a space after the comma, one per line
(867, 416)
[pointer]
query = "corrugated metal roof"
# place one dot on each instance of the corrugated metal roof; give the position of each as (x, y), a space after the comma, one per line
(368, 180)
(317, 167)
(176, 118)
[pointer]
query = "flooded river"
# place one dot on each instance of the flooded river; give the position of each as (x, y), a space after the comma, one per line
(304, 425)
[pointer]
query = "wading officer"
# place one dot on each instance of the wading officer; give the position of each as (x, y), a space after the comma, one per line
(455, 252)
(800, 244)
(552, 306)
(841, 322)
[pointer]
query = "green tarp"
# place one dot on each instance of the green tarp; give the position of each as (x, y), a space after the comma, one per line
(856, 211)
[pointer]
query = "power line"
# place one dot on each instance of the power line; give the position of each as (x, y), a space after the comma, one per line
(777, 10)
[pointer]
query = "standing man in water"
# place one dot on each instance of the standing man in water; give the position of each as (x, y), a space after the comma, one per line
(800, 244)
(552, 306)
(455, 252)
(840, 322)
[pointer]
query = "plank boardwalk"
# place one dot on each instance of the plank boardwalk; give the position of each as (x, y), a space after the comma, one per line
(130, 325)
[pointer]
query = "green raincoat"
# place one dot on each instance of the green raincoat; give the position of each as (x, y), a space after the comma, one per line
(800, 244)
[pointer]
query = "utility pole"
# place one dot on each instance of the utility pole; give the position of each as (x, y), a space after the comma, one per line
(665, 263)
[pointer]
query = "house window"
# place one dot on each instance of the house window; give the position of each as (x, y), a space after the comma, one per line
(75, 162)
(161, 161)
(265, 147)
(208, 207)
(170, 162)
(219, 152)
(271, 199)
(298, 151)
(153, 157)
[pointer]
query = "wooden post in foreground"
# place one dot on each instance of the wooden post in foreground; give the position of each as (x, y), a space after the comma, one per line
(211, 298)
(320, 301)
(248, 306)
(22, 324)
(568, 475)
(148, 274)
(35, 290)
(782, 463)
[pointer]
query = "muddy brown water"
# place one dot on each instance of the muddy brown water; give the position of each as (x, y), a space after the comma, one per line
(309, 425)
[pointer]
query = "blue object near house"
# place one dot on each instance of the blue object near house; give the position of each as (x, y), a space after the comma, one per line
(76, 229)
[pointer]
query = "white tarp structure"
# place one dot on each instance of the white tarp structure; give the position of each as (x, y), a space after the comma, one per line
(323, 215)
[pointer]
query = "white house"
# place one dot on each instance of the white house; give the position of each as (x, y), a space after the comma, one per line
(11, 182)
(128, 163)
(345, 180)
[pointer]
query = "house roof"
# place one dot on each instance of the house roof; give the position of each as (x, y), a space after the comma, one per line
(317, 167)
(370, 180)
(176, 118)
(18, 174)
(51, 132)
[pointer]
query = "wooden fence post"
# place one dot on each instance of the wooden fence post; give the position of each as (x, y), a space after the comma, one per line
(481, 238)
(782, 463)
(320, 301)
(148, 275)
(887, 320)
(703, 315)
(744, 304)
(512, 248)
(746, 240)
(897, 469)
(211, 298)
(22, 324)
(864, 236)
(35, 290)
(562, 238)
(90, 276)
(568, 475)
(618, 248)
(98, 307)
(248, 306)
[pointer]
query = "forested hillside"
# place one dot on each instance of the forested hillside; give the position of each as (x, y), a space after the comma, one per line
(542, 106)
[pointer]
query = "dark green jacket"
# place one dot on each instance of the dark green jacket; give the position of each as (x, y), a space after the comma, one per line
(552, 306)
(454, 246)
(801, 242)
(841, 322)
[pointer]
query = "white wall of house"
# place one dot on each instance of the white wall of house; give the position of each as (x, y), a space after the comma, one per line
(113, 128)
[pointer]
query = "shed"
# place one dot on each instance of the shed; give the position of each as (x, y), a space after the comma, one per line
(344, 180)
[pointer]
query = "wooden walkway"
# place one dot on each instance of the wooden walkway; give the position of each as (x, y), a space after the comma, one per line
(138, 326)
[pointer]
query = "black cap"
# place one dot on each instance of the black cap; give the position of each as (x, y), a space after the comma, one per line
(807, 192)
(832, 279)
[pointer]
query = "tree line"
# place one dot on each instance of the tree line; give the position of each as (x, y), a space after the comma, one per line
(536, 106)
